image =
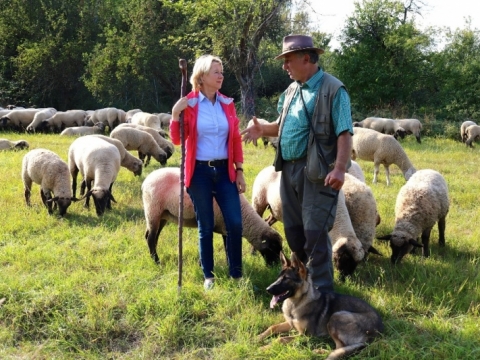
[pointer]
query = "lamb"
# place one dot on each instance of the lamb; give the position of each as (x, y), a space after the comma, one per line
(160, 193)
(127, 160)
(63, 119)
(266, 140)
(19, 118)
(143, 142)
(463, 129)
(98, 128)
(110, 117)
(164, 144)
(146, 119)
(99, 162)
(382, 125)
(40, 117)
(421, 202)
(472, 133)
(411, 126)
(348, 250)
(6, 144)
(383, 149)
(47, 169)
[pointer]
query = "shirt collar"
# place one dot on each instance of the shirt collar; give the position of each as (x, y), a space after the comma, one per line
(201, 97)
(313, 81)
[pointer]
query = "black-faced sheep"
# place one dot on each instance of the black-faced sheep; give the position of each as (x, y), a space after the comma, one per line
(143, 142)
(161, 192)
(411, 126)
(382, 125)
(47, 169)
(463, 127)
(6, 144)
(99, 162)
(421, 202)
(84, 130)
(164, 119)
(266, 140)
(40, 117)
(130, 113)
(383, 149)
(63, 119)
(19, 119)
(472, 133)
(110, 117)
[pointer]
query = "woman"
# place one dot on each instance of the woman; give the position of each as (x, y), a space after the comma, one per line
(213, 164)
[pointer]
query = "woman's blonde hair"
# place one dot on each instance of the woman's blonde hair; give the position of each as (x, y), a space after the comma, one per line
(202, 66)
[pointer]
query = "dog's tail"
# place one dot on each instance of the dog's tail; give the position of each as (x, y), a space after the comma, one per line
(345, 351)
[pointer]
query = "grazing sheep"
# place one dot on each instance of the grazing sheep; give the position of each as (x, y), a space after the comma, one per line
(19, 119)
(84, 130)
(143, 142)
(40, 117)
(164, 144)
(164, 119)
(47, 169)
(382, 125)
(63, 119)
(347, 249)
(356, 171)
(13, 145)
(411, 126)
(421, 202)
(383, 149)
(463, 129)
(99, 162)
(146, 119)
(266, 140)
(111, 117)
(161, 191)
(472, 133)
(127, 160)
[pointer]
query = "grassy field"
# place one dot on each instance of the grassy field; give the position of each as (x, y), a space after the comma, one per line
(84, 287)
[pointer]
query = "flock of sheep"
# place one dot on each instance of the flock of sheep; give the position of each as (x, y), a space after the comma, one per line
(421, 203)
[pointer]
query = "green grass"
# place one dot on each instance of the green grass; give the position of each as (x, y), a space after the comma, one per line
(84, 287)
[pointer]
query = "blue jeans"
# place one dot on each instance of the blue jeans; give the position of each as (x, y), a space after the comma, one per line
(208, 183)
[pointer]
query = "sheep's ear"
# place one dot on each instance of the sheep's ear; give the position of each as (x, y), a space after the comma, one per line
(285, 262)
(52, 199)
(372, 250)
(385, 237)
(415, 243)
(112, 198)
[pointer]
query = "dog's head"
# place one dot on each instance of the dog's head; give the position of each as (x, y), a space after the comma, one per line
(293, 275)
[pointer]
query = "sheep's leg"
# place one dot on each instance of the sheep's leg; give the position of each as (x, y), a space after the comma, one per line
(441, 231)
(83, 185)
(27, 192)
(74, 173)
(151, 235)
(109, 201)
(225, 247)
(87, 199)
(141, 156)
(387, 173)
(425, 242)
(45, 198)
(417, 136)
(376, 170)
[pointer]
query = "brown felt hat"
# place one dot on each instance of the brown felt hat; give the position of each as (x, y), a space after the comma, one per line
(292, 43)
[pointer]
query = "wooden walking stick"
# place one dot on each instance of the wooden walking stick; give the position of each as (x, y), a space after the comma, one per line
(183, 68)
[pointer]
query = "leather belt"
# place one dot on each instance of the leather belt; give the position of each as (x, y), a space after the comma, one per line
(213, 163)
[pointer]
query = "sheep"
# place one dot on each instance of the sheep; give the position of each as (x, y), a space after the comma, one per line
(98, 128)
(130, 113)
(356, 171)
(127, 160)
(110, 117)
(46, 168)
(143, 142)
(40, 117)
(164, 119)
(146, 119)
(19, 118)
(160, 194)
(6, 144)
(164, 144)
(347, 249)
(382, 125)
(421, 202)
(272, 140)
(472, 133)
(383, 149)
(64, 119)
(411, 126)
(99, 162)
(463, 128)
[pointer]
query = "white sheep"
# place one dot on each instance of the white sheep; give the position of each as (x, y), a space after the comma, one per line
(64, 119)
(130, 113)
(47, 169)
(421, 202)
(6, 144)
(143, 142)
(164, 144)
(127, 160)
(164, 119)
(146, 119)
(266, 140)
(356, 171)
(40, 117)
(109, 116)
(84, 130)
(19, 118)
(411, 126)
(99, 163)
(382, 125)
(371, 145)
(161, 193)
(472, 133)
(463, 129)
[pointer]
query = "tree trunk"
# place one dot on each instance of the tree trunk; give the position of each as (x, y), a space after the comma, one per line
(247, 97)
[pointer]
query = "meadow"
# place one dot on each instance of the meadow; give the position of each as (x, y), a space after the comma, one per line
(85, 287)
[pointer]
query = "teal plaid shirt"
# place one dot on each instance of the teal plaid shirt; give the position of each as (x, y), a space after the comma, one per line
(294, 137)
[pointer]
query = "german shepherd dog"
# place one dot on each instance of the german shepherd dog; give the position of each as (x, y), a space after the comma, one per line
(350, 321)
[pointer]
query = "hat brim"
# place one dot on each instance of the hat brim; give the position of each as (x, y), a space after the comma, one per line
(317, 50)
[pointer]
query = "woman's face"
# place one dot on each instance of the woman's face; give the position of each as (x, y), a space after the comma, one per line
(214, 78)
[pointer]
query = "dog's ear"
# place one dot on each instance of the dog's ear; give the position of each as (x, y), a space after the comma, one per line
(298, 264)
(285, 262)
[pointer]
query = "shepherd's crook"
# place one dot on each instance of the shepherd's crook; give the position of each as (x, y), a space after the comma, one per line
(183, 67)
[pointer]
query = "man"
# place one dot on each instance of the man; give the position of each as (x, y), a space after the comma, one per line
(309, 207)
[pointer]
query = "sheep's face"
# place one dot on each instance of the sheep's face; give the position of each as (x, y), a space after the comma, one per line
(270, 248)
(137, 168)
(101, 198)
(63, 203)
(401, 246)
(344, 262)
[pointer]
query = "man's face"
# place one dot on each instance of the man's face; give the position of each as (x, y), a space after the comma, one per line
(294, 65)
